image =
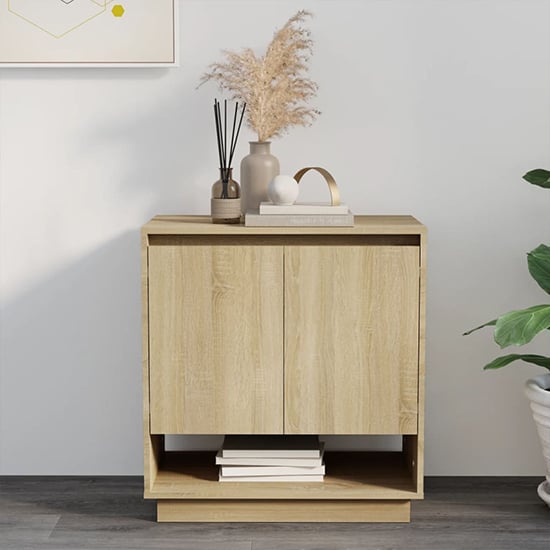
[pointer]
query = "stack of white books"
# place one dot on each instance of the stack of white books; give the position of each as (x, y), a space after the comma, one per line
(271, 458)
(300, 214)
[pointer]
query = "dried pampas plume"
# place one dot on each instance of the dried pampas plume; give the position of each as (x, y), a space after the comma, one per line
(274, 86)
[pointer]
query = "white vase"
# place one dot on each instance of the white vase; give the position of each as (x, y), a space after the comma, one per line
(257, 170)
(539, 396)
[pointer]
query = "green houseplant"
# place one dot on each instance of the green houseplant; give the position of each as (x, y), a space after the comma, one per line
(520, 327)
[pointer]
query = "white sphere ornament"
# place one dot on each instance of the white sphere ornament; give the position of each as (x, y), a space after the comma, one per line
(283, 190)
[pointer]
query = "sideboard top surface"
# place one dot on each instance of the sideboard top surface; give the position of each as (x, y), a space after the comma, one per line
(202, 225)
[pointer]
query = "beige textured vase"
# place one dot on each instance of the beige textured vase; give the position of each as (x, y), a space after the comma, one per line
(257, 170)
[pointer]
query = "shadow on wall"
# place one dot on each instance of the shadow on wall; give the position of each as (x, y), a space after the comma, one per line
(152, 126)
(70, 353)
(71, 369)
(168, 143)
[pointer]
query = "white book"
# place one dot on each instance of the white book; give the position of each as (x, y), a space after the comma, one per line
(263, 471)
(269, 461)
(271, 446)
(253, 219)
(303, 208)
(294, 479)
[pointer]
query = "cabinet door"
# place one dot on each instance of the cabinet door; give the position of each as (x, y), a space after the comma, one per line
(216, 344)
(351, 339)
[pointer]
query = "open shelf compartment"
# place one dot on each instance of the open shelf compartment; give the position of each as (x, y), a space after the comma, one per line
(349, 476)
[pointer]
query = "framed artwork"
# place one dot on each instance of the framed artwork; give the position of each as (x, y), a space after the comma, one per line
(88, 33)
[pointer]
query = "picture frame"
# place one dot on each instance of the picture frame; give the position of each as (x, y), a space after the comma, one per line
(89, 33)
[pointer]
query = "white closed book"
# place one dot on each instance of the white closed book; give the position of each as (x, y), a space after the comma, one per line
(236, 471)
(287, 479)
(303, 208)
(271, 446)
(269, 461)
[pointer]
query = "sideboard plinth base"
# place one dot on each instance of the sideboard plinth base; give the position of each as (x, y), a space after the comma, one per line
(295, 511)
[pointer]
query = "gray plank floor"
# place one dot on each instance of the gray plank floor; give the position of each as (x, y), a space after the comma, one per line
(109, 512)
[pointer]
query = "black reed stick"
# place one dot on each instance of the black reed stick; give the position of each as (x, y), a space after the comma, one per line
(221, 136)
(218, 132)
(225, 132)
(231, 147)
(237, 135)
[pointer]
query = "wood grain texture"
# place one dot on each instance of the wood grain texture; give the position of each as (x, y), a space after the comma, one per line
(349, 476)
(152, 445)
(358, 239)
(351, 339)
(365, 284)
(413, 448)
(253, 511)
(216, 342)
(154, 450)
(201, 225)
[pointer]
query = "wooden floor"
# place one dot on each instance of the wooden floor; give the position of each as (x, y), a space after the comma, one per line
(109, 512)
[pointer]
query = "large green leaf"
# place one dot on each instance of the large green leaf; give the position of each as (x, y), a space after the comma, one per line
(520, 327)
(538, 261)
(488, 324)
(500, 362)
(538, 177)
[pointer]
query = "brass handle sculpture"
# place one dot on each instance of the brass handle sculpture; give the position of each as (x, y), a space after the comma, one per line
(332, 187)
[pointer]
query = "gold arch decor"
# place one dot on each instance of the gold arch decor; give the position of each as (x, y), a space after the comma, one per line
(331, 182)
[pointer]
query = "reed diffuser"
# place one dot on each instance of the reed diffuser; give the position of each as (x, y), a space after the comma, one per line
(225, 204)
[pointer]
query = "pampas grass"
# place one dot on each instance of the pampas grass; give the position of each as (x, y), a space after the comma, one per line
(274, 86)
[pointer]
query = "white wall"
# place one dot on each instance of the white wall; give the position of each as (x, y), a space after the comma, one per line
(433, 107)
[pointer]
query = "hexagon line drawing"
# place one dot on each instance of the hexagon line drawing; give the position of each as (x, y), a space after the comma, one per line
(25, 12)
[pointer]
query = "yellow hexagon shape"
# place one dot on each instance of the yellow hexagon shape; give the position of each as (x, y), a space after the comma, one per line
(118, 10)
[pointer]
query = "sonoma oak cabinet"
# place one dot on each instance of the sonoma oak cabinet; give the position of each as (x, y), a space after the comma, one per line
(284, 331)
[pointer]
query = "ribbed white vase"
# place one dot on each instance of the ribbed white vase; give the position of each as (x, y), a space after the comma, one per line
(539, 396)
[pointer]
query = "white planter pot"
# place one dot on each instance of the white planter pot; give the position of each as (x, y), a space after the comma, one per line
(536, 390)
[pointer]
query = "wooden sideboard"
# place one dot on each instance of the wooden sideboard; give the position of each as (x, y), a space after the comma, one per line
(294, 330)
